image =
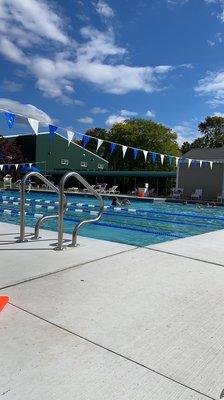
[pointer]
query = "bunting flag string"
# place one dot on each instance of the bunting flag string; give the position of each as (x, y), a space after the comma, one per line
(52, 129)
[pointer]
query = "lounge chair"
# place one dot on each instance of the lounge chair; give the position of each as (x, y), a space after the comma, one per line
(73, 189)
(113, 190)
(220, 198)
(177, 193)
(102, 188)
(197, 195)
(87, 190)
(150, 192)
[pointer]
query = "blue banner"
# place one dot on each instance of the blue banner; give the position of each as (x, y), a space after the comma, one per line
(135, 151)
(52, 130)
(10, 118)
(170, 160)
(154, 157)
(112, 147)
(85, 140)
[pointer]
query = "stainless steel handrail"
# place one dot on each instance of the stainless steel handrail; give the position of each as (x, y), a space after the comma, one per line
(22, 205)
(61, 205)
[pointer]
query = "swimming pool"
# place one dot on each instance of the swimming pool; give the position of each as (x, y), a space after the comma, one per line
(140, 224)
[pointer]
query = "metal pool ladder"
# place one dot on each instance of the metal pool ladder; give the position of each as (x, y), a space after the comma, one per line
(22, 205)
(60, 246)
(61, 208)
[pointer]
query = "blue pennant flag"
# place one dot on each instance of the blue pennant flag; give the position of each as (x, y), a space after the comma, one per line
(154, 156)
(52, 130)
(2, 156)
(85, 140)
(170, 160)
(112, 147)
(135, 151)
(10, 118)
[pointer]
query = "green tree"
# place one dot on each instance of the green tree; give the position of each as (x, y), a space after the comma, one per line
(212, 130)
(141, 134)
(10, 153)
(186, 146)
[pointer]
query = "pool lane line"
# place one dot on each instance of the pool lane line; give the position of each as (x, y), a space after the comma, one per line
(114, 352)
(127, 210)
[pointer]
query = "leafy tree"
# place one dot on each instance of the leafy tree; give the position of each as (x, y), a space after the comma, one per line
(141, 134)
(10, 153)
(186, 146)
(212, 130)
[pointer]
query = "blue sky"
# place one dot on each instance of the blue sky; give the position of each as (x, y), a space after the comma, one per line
(83, 63)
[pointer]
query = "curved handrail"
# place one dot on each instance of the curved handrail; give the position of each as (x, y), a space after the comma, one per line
(22, 205)
(60, 209)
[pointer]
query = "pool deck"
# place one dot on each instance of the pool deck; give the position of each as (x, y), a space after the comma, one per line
(106, 321)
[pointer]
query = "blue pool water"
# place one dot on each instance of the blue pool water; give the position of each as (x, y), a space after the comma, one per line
(140, 224)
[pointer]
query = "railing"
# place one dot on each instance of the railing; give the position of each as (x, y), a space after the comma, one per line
(22, 205)
(61, 209)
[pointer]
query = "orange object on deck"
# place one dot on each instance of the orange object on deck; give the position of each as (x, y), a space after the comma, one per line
(3, 301)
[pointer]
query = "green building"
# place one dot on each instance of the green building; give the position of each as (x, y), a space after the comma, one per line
(55, 155)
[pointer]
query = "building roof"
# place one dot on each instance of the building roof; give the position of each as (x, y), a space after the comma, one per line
(206, 154)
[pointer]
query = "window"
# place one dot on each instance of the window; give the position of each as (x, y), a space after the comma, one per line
(64, 162)
(83, 164)
(100, 166)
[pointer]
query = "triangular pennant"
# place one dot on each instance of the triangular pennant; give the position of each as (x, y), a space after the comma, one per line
(200, 162)
(112, 147)
(10, 118)
(154, 157)
(124, 149)
(85, 140)
(177, 159)
(99, 142)
(211, 164)
(3, 301)
(34, 124)
(162, 158)
(1, 167)
(135, 152)
(170, 160)
(145, 152)
(70, 136)
(52, 130)
(189, 162)
(30, 165)
(16, 165)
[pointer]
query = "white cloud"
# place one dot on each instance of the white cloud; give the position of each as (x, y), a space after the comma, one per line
(27, 110)
(11, 86)
(98, 110)
(126, 113)
(212, 85)
(114, 119)
(79, 102)
(86, 120)
(211, 43)
(120, 117)
(150, 114)
(218, 114)
(97, 60)
(30, 17)
(186, 131)
(104, 9)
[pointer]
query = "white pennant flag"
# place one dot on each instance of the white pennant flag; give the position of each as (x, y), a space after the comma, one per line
(16, 165)
(145, 152)
(177, 159)
(200, 162)
(99, 142)
(1, 167)
(162, 158)
(34, 124)
(124, 149)
(189, 162)
(30, 165)
(211, 164)
(70, 136)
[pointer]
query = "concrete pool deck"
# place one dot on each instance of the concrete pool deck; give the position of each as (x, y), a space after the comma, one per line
(108, 321)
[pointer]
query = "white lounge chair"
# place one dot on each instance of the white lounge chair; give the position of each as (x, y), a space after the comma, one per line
(177, 193)
(197, 195)
(113, 190)
(220, 198)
